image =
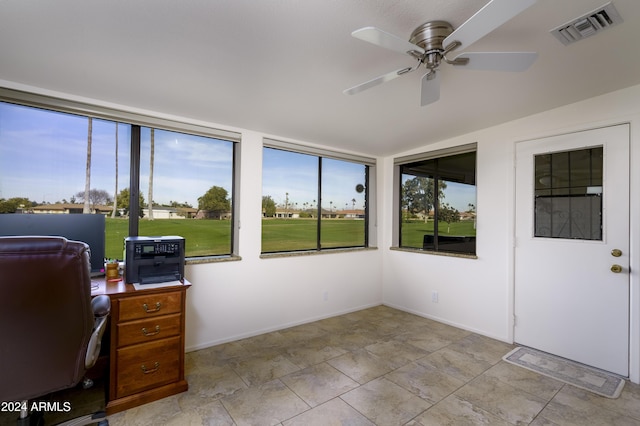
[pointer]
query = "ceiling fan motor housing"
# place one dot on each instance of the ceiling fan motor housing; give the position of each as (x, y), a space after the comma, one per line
(430, 36)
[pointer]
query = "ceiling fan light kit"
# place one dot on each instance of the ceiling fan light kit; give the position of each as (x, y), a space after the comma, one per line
(430, 43)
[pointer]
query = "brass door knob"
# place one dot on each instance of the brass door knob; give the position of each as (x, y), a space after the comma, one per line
(616, 269)
(616, 253)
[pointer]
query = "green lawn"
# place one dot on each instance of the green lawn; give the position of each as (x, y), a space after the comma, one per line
(413, 231)
(202, 237)
(302, 234)
(211, 237)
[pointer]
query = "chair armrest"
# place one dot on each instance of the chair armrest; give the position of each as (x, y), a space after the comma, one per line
(101, 306)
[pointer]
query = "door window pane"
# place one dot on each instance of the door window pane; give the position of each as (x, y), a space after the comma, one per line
(568, 194)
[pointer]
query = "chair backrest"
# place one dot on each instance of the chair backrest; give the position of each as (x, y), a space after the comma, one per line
(45, 315)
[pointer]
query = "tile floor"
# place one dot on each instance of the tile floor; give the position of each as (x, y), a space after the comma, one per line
(378, 366)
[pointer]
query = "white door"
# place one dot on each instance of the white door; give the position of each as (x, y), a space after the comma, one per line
(572, 247)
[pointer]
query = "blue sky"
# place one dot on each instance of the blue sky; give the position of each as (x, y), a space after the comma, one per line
(297, 174)
(43, 157)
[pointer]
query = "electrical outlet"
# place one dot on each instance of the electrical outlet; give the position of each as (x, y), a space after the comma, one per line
(434, 297)
(325, 295)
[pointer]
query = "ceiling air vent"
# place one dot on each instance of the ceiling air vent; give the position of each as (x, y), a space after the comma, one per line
(587, 25)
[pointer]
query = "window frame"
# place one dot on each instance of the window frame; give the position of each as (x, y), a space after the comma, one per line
(370, 234)
(398, 162)
(137, 121)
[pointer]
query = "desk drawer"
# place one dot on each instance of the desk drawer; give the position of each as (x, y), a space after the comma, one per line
(148, 330)
(147, 365)
(138, 307)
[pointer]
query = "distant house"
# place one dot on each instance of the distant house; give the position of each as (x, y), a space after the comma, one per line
(163, 212)
(352, 214)
(287, 213)
(70, 208)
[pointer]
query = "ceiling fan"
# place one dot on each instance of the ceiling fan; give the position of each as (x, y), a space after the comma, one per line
(432, 41)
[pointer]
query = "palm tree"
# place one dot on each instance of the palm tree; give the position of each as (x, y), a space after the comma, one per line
(151, 176)
(87, 182)
(115, 193)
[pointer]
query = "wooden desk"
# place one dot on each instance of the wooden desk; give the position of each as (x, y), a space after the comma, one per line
(146, 352)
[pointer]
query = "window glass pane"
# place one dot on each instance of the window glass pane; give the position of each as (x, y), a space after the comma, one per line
(568, 194)
(290, 201)
(343, 204)
(43, 158)
(189, 179)
(438, 198)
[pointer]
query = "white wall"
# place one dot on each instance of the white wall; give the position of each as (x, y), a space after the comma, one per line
(231, 300)
(477, 294)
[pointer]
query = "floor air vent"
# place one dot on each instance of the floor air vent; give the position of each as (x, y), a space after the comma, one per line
(587, 25)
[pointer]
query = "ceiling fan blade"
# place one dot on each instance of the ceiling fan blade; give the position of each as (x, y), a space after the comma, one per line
(384, 39)
(377, 81)
(430, 88)
(491, 16)
(499, 61)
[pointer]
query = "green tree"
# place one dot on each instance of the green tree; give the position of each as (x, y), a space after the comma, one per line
(13, 204)
(418, 194)
(448, 214)
(123, 201)
(215, 200)
(268, 206)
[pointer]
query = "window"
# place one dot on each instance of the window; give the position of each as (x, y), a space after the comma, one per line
(568, 194)
(437, 198)
(313, 200)
(49, 156)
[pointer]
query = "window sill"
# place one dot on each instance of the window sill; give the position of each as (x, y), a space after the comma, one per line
(314, 252)
(211, 259)
(437, 253)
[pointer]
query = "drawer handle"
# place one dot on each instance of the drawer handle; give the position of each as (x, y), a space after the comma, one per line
(149, 311)
(151, 333)
(155, 368)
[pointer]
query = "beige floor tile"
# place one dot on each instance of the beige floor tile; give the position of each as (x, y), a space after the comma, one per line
(312, 352)
(396, 353)
(270, 364)
(460, 365)
(214, 382)
(425, 381)
(385, 403)
(501, 399)
(453, 411)
(319, 384)
(361, 365)
(266, 404)
(332, 413)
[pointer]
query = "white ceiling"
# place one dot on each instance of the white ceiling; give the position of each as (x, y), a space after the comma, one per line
(280, 66)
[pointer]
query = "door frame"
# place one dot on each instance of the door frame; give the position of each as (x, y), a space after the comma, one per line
(634, 235)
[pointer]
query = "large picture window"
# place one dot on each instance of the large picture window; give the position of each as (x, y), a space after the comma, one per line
(313, 200)
(437, 198)
(59, 161)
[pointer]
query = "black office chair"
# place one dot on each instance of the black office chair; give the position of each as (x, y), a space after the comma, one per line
(50, 327)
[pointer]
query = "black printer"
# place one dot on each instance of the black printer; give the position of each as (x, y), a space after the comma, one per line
(154, 259)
